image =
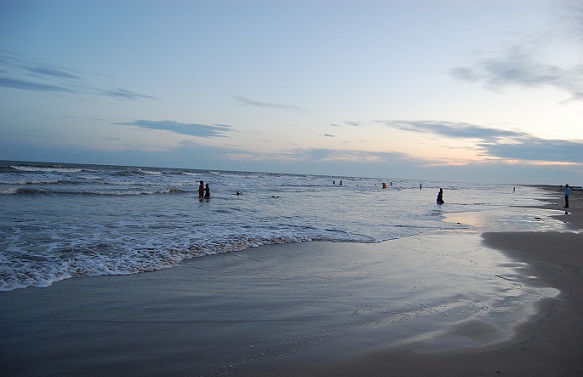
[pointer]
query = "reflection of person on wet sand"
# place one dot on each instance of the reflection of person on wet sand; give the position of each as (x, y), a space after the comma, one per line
(201, 190)
(440, 197)
(207, 191)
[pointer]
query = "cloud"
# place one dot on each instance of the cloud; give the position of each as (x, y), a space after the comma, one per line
(44, 71)
(319, 156)
(570, 18)
(248, 102)
(33, 86)
(498, 143)
(23, 73)
(325, 155)
(525, 64)
(350, 123)
(190, 129)
(517, 67)
(454, 130)
(125, 94)
(534, 149)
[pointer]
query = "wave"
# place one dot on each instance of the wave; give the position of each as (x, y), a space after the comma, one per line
(29, 181)
(100, 260)
(113, 192)
(151, 172)
(8, 190)
(46, 169)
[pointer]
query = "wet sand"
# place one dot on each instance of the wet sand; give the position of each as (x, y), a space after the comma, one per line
(310, 309)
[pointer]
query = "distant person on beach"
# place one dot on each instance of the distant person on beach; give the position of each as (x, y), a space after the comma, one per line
(201, 190)
(207, 191)
(440, 197)
(567, 193)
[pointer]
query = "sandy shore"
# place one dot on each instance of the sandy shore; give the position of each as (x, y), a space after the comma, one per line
(313, 309)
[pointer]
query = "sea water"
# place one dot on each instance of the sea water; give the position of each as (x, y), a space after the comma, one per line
(59, 221)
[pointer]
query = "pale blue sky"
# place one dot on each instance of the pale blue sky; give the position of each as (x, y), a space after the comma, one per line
(475, 90)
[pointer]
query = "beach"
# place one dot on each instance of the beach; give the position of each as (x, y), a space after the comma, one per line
(316, 309)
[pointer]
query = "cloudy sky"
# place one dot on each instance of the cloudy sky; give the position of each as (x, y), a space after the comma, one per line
(453, 90)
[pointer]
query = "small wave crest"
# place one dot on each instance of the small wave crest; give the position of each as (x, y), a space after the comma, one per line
(46, 169)
(151, 172)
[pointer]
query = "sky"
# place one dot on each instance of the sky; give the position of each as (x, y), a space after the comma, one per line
(485, 91)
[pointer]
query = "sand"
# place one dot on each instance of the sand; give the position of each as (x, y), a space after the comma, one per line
(297, 310)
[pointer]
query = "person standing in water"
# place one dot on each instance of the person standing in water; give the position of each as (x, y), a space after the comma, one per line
(207, 192)
(440, 197)
(201, 190)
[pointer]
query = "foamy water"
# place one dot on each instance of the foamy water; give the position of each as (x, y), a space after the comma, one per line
(66, 220)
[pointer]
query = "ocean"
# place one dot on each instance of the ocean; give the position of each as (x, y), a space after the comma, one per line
(60, 221)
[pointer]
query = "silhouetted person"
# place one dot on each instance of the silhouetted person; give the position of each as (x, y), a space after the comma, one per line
(201, 190)
(567, 193)
(440, 197)
(207, 191)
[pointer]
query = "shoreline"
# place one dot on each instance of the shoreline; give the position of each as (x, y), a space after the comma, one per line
(188, 320)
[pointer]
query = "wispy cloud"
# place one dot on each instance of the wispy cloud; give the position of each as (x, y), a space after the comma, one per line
(268, 105)
(125, 94)
(527, 63)
(521, 68)
(32, 86)
(350, 123)
(24, 73)
(190, 129)
(52, 72)
(570, 18)
(454, 129)
(329, 155)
